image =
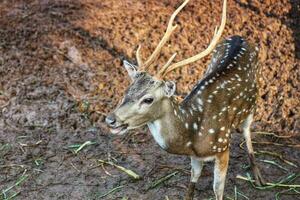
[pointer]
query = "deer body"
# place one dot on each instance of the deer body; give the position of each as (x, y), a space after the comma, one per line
(200, 125)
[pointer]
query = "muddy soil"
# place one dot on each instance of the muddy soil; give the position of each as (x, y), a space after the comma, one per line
(60, 72)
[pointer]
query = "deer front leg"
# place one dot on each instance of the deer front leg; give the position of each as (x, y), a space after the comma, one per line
(196, 168)
(259, 181)
(220, 171)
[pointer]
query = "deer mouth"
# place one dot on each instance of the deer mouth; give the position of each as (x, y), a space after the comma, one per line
(119, 130)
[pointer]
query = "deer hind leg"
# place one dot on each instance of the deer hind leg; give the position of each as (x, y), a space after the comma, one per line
(259, 181)
(220, 171)
(196, 170)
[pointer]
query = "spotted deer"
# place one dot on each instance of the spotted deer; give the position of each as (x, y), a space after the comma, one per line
(200, 126)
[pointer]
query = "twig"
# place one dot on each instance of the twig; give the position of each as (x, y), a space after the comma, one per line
(236, 193)
(277, 155)
(30, 145)
(273, 134)
(75, 167)
(274, 163)
(278, 144)
(12, 165)
(111, 191)
(20, 180)
(105, 171)
(162, 180)
(175, 168)
(241, 194)
(81, 146)
(13, 196)
(271, 143)
(284, 191)
(271, 185)
(127, 171)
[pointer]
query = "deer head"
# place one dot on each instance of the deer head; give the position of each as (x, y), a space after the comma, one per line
(143, 101)
(146, 97)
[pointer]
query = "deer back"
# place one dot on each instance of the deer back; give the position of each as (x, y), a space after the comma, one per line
(225, 96)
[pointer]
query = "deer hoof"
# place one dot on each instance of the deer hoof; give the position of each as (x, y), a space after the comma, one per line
(190, 193)
(188, 197)
(259, 181)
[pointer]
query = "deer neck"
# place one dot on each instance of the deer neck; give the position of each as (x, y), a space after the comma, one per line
(170, 129)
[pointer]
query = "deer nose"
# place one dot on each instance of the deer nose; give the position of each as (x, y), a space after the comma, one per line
(110, 120)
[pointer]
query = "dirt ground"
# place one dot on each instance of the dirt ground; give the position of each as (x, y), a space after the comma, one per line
(60, 72)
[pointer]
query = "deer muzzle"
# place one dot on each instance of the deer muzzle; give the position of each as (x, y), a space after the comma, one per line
(115, 126)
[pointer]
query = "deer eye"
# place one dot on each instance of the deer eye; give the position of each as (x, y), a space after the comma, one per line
(147, 100)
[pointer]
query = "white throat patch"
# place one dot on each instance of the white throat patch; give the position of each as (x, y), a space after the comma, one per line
(155, 129)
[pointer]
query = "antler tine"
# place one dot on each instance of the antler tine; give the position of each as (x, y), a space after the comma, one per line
(138, 56)
(160, 73)
(208, 50)
(165, 38)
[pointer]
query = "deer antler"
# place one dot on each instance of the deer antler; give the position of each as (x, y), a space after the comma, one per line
(217, 35)
(162, 42)
(138, 56)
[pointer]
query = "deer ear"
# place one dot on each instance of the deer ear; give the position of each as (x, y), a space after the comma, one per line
(131, 69)
(169, 88)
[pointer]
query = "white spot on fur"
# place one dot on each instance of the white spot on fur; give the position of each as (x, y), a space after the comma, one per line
(199, 101)
(189, 144)
(186, 125)
(211, 131)
(195, 126)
